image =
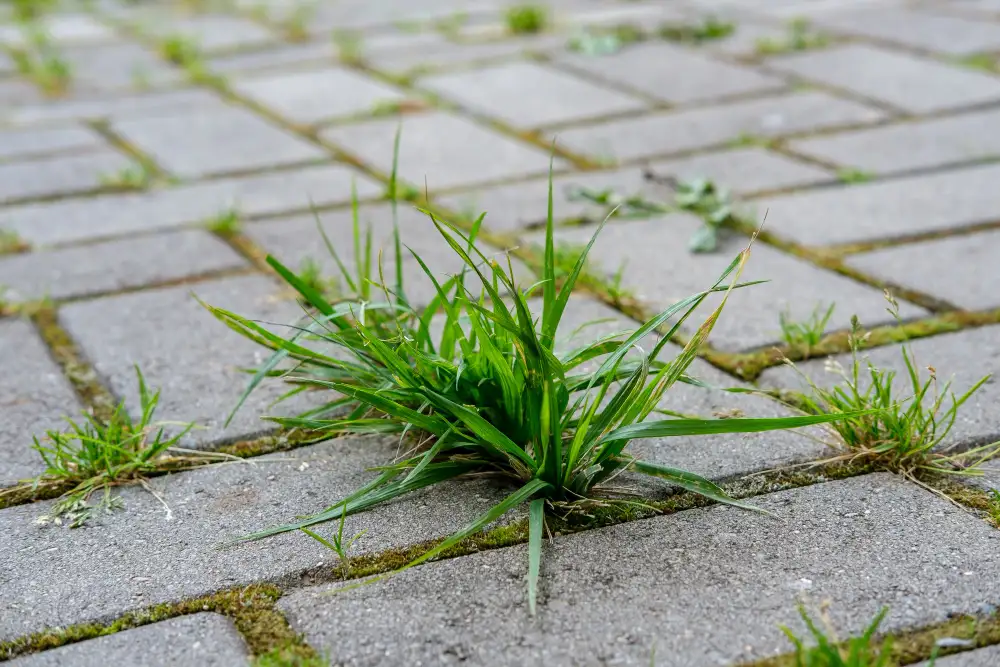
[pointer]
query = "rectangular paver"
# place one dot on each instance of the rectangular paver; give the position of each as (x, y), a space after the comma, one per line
(910, 83)
(962, 357)
(658, 269)
(22, 143)
(106, 267)
(59, 175)
(527, 94)
(63, 29)
(917, 145)
(119, 66)
(282, 57)
(674, 74)
(678, 131)
(440, 149)
(211, 32)
(445, 55)
(983, 657)
(744, 170)
(214, 141)
(885, 209)
(205, 639)
(925, 30)
(145, 105)
(34, 397)
(112, 215)
(961, 270)
(618, 595)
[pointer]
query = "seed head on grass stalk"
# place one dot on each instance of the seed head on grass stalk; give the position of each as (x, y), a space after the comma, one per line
(490, 394)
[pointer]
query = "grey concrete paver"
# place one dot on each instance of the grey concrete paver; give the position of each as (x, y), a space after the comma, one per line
(106, 267)
(34, 397)
(686, 130)
(527, 94)
(59, 175)
(949, 354)
(119, 66)
(205, 639)
(661, 270)
(145, 105)
(312, 96)
(911, 83)
(440, 149)
(960, 270)
(211, 32)
(61, 28)
(983, 657)
(744, 170)
(674, 74)
(22, 143)
(142, 556)
(95, 218)
(215, 141)
(885, 209)
(610, 596)
(917, 145)
(423, 59)
(286, 56)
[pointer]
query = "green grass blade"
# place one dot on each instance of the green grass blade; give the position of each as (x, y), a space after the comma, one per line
(689, 482)
(311, 295)
(536, 524)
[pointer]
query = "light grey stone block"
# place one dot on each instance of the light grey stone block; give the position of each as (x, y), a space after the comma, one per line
(440, 149)
(673, 132)
(211, 32)
(65, 28)
(59, 175)
(34, 397)
(885, 209)
(527, 94)
(21, 143)
(214, 141)
(674, 74)
(910, 83)
(106, 267)
(983, 657)
(312, 96)
(119, 66)
(277, 58)
(450, 55)
(145, 105)
(744, 170)
(205, 639)
(614, 595)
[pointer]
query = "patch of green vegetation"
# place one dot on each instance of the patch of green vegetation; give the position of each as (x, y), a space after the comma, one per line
(312, 275)
(747, 140)
(827, 650)
(712, 204)
(40, 60)
(851, 175)
(226, 223)
(800, 37)
(804, 335)
(133, 177)
(185, 52)
(451, 25)
(337, 544)
(26, 11)
(5, 305)
(489, 392)
(708, 29)
(614, 204)
(11, 242)
(384, 108)
(349, 46)
(295, 26)
(984, 62)
(994, 506)
(526, 19)
(600, 41)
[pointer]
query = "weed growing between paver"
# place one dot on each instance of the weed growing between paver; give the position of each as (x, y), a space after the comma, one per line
(800, 37)
(850, 175)
(825, 650)
(349, 46)
(40, 60)
(526, 19)
(133, 177)
(804, 335)
(708, 29)
(490, 394)
(604, 40)
(11, 243)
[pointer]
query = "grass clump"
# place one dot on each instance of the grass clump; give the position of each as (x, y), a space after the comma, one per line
(226, 223)
(799, 37)
(615, 204)
(526, 19)
(709, 202)
(133, 177)
(994, 506)
(707, 30)
(828, 651)
(473, 385)
(851, 175)
(185, 52)
(11, 242)
(600, 41)
(40, 60)
(803, 336)
(349, 46)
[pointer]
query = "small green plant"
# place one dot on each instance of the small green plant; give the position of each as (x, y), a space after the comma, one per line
(40, 60)
(703, 198)
(828, 651)
(800, 37)
(396, 107)
(226, 222)
(451, 25)
(526, 19)
(349, 46)
(489, 393)
(747, 140)
(295, 26)
(311, 274)
(4, 302)
(11, 243)
(902, 434)
(133, 177)
(984, 62)
(180, 50)
(601, 41)
(336, 542)
(26, 11)
(94, 455)
(614, 204)
(994, 508)
(851, 175)
(803, 336)
(708, 29)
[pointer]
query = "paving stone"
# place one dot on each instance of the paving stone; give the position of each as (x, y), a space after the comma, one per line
(527, 94)
(604, 15)
(355, 14)
(945, 34)
(674, 74)
(138, 557)
(956, 269)
(884, 209)
(107, 267)
(911, 83)
(451, 55)
(63, 29)
(19, 143)
(440, 149)
(112, 215)
(518, 205)
(34, 397)
(59, 175)
(983, 657)
(118, 66)
(661, 270)
(672, 132)
(962, 357)
(744, 170)
(916, 145)
(309, 97)
(213, 32)
(146, 105)
(207, 639)
(283, 57)
(184, 351)
(214, 141)
(610, 596)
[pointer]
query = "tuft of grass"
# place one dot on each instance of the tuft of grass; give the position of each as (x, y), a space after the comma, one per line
(474, 384)
(994, 508)
(349, 46)
(11, 242)
(851, 175)
(600, 41)
(708, 29)
(94, 455)
(337, 544)
(747, 140)
(26, 11)
(903, 434)
(384, 108)
(226, 222)
(799, 37)
(526, 19)
(41, 61)
(614, 204)
(983, 62)
(712, 204)
(133, 177)
(311, 274)
(828, 651)
(185, 52)
(803, 336)
(295, 26)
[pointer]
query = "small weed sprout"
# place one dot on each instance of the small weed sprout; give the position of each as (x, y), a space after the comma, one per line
(311, 274)
(613, 204)
(226, 223)
(800, 37)
(349, 46)
(133, 177)
(828, 651)
(901, 434)
(803, 336)
(185, 52)
(11, 242)
(336, 543)
(526, 19)
(747, 140)
(600, 41)
(450, 26)
(712, 204)
(983, 62)
(384, 108)
(296, 25)
(709, 29)
(851, 175)
(488, 392)
(41, 61)
(994, 507)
